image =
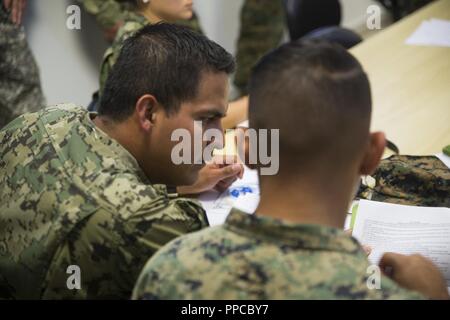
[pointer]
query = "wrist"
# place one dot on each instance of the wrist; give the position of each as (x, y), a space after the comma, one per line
(186, 191)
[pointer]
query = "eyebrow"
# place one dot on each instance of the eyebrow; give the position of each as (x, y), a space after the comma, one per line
(211, 113)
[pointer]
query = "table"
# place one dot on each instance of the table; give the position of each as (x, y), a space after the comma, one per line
(410, 84)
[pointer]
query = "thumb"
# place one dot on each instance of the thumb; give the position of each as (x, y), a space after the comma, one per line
(390, 262)
(229, 171)
(7, 4)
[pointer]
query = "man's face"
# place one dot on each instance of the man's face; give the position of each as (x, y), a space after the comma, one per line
(209, 107)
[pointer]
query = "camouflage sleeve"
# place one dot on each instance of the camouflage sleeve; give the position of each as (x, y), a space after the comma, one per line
(392, 291)
(446, 150)
(20, 85)
(109, 59)
(112, 53)
(107, 12)
(262, 29)
(111, 250)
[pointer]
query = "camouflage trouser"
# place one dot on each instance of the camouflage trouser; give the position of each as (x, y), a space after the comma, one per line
(20, 88)
(262, 28)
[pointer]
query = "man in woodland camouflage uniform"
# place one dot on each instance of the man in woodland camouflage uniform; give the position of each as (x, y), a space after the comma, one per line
(293, 246)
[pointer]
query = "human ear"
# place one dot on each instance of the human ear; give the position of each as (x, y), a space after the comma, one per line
(374, 152)
(145, 109)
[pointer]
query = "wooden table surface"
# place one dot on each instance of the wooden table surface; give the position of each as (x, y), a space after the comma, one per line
(410, 84)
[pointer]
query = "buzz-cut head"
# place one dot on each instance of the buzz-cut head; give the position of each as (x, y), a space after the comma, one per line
(318, 96)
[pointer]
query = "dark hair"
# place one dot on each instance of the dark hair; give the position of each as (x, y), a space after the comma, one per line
(164, 60)
(319, 97)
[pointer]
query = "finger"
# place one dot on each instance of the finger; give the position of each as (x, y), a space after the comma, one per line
(241, 175)
(228, 182)
(7, 4)
(19, 12)
(230, 179)
(22, 10)
(228, 171)
(223, 185)
(390, 262)
(15, 11)
(225, 160)
(367, 249)
(243, 147)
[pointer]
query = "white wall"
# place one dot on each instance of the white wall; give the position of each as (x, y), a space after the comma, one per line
(220, 20)
(355, 16)
(69, 60)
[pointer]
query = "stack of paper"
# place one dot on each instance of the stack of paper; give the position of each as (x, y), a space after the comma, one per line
(405, 229)
(434, 32)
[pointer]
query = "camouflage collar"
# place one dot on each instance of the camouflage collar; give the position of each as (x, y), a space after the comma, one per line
(299, 236)
(139, 18)
(120, 153)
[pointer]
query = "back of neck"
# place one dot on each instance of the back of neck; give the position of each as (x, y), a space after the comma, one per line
(306, 201)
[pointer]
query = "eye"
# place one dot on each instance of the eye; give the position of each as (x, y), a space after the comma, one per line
(207, 119)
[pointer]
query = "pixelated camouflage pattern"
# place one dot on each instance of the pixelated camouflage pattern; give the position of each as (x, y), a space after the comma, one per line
(253, 257)
(410, 180)
(107, 12)
(263, 23)
(112, 53)
(20, 86)
(446, 150)
(70, 195)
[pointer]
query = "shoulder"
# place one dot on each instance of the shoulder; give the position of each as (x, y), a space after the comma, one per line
(30, 129)
(133, 23)
(199, 265)
(54, 112)
(173, 270)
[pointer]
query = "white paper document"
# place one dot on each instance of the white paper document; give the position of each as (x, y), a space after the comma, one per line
(243, 195)
(405, 229)
(433, 32)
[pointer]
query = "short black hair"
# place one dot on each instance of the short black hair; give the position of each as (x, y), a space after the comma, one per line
(164, 60)
(318, 95)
